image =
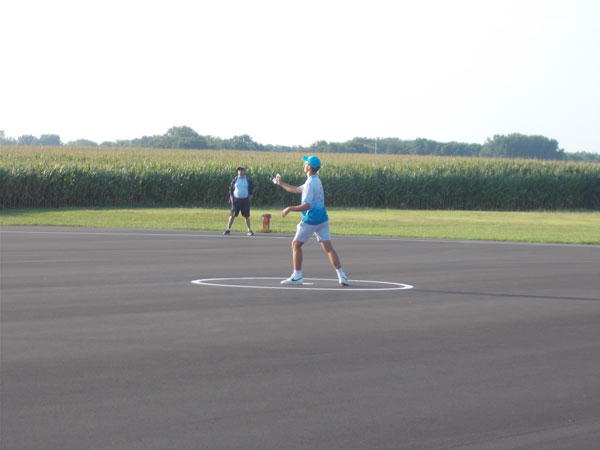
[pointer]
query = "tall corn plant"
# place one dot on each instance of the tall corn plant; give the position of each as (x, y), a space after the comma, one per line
(84, 177)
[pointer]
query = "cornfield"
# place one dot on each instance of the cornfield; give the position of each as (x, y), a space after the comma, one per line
(57, 177)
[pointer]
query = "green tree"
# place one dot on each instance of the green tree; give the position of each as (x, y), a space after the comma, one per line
(49, 139)
(319, 146)
(81, 143)
(243, 142)
(360, 145)
(583, 157)
(522, 146)
(460, 149)
(423, 146)
(181, 132)
(5, 140)
(184, 137)
(27, 139)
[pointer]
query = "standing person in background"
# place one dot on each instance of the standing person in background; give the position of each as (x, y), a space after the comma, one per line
(314, 220)
(240, 195)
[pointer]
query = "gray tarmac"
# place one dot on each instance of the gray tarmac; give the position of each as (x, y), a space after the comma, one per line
(107, 344)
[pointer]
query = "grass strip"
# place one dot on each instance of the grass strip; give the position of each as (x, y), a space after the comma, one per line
(543, 227)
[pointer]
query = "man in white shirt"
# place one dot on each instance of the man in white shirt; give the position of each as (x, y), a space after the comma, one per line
(314, 220)
(240, 194)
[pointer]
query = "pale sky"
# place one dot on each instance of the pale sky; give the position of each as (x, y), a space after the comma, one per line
(294, 72)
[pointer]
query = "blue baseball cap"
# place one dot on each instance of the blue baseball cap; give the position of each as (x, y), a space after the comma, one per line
(312, 161)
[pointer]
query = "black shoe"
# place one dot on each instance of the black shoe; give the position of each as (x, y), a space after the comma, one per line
(250, 233)
(227, 232)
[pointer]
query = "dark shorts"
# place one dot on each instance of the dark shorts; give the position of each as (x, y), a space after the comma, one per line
(240, 204)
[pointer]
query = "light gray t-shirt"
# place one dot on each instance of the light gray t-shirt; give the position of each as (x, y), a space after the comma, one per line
(313, 194)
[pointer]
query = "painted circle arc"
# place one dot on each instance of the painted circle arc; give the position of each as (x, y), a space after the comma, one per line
(273, 283)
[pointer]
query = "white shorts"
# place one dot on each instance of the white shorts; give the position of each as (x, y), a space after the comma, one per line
(304, 231)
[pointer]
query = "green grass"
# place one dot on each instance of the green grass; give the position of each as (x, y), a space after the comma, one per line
(559, 227)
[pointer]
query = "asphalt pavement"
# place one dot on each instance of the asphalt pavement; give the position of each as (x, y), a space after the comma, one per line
(107, 344)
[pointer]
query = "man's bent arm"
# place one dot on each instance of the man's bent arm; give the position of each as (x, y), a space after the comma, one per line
(300, 208)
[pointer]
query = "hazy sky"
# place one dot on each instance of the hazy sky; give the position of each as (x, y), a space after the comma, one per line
(294, 72)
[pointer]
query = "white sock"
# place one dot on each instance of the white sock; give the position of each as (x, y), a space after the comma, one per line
(340, 272)
(297, 274)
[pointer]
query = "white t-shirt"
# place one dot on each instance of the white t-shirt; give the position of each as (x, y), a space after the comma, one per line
(313, 194)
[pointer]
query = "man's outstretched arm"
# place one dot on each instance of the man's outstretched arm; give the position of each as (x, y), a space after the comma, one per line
(287, 187)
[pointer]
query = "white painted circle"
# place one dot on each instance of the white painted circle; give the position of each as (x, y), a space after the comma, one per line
(389, 286)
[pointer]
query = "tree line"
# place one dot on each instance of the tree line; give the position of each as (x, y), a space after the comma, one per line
(514, 145)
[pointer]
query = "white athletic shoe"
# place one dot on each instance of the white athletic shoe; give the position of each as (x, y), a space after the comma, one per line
(344, 281)
(291, 280)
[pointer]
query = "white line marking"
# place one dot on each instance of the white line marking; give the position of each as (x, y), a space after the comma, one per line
(351, 288)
